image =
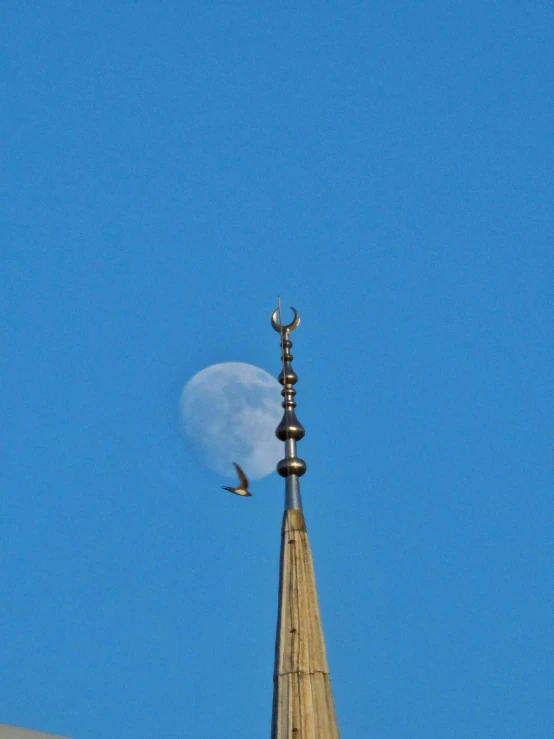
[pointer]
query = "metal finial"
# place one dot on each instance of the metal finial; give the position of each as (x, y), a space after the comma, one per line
(290, 326)
(290, 430)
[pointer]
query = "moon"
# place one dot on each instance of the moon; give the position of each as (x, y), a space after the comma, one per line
(229, 413)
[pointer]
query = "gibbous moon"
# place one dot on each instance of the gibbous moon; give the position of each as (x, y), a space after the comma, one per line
(229, 413)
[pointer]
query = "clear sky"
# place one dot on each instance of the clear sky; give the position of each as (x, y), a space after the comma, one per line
(167, 169)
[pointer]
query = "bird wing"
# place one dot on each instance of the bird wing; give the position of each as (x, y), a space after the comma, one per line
(242, 477)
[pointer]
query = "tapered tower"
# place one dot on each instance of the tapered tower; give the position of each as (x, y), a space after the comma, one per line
(303, 705)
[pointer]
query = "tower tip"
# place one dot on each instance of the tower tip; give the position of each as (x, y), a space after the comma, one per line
(289, 430)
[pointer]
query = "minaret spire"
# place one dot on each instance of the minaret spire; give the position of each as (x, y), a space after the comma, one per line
(303, 706)
(290, 430)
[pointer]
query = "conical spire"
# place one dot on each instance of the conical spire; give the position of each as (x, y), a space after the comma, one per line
(303, 706)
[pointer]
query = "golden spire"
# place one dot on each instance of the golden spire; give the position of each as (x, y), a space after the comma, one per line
(303, 706)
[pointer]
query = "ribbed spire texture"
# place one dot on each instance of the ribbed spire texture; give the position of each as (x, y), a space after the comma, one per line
(303, 705)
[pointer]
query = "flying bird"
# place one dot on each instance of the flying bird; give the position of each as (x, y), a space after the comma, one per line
(243, 486)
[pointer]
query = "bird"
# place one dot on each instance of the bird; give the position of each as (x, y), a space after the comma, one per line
(243, 486)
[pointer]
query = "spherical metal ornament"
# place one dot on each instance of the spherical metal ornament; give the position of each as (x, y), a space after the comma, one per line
(293, 466)
(288, 376)
(290, 427)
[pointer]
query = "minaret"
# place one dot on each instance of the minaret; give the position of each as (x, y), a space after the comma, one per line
(303, 706)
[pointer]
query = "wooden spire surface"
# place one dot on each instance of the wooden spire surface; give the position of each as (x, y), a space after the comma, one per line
(303, 705)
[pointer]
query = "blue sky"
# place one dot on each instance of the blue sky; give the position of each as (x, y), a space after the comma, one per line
(168, 169)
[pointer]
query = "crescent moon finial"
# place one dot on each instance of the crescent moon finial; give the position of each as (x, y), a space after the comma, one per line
(290, 326)
(290, 430)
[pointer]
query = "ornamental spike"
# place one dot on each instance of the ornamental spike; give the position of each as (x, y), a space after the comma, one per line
(290, 430)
